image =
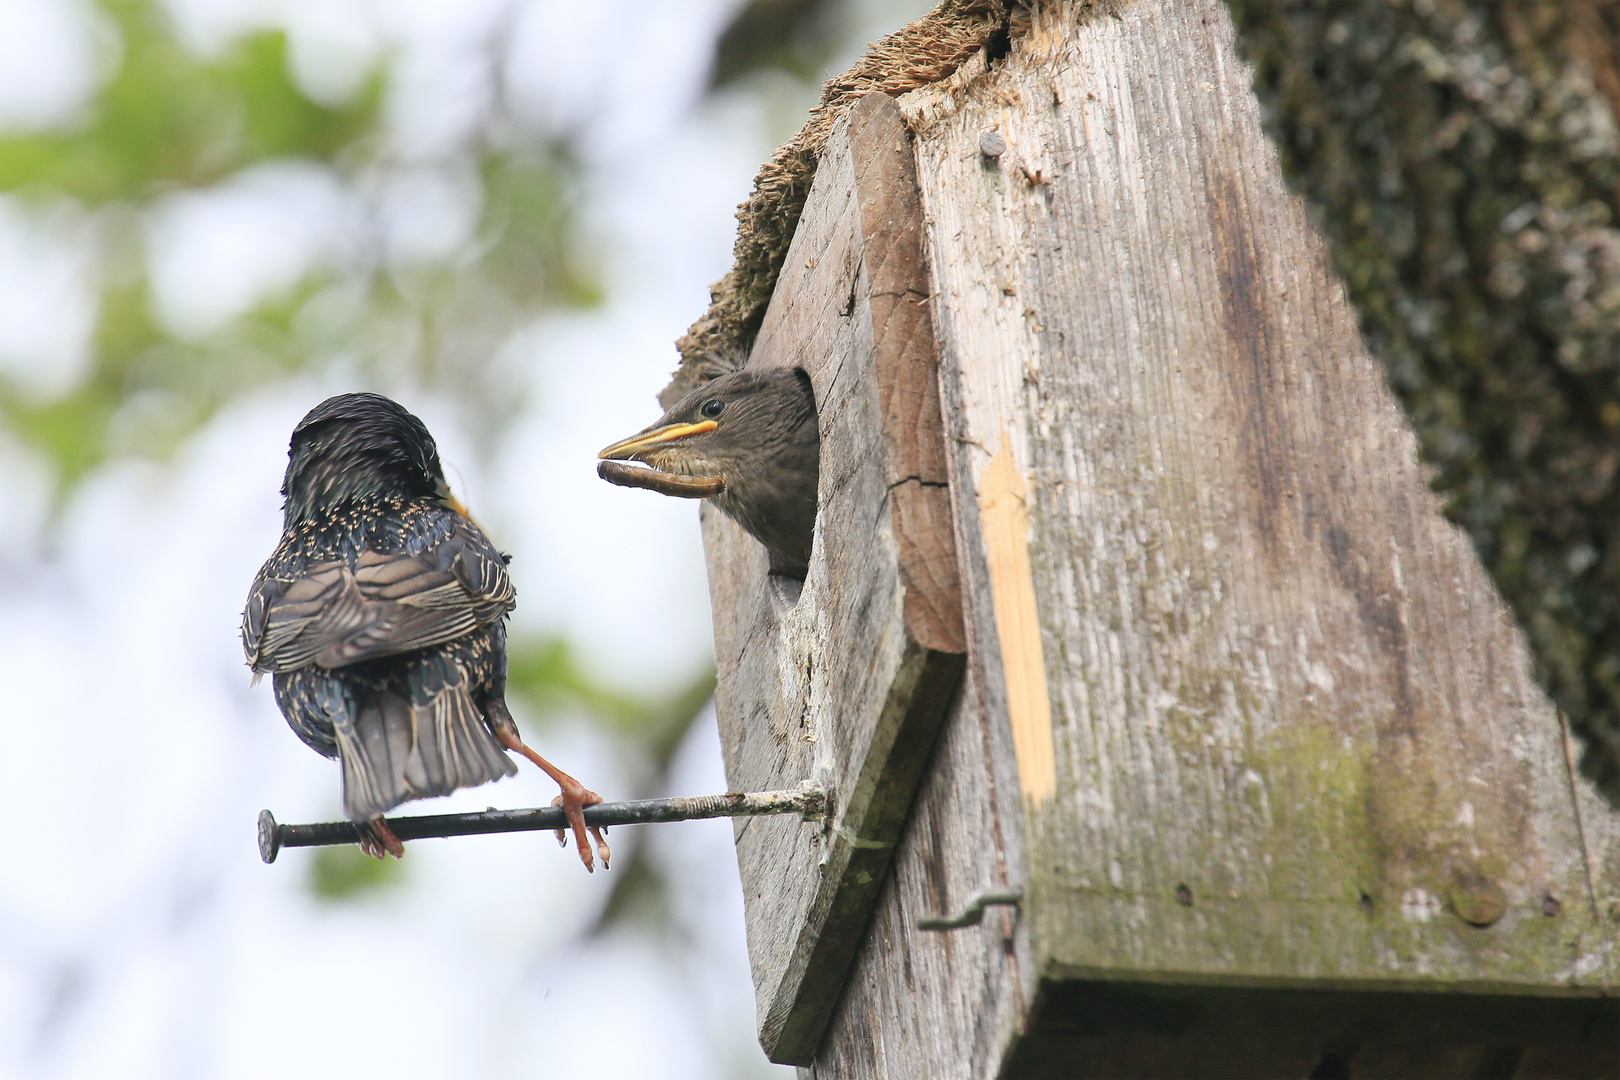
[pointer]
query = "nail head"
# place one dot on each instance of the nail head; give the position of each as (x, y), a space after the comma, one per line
(1477, 900)
(269, 837)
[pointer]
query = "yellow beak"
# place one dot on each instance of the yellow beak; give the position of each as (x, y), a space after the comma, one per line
(641, 442)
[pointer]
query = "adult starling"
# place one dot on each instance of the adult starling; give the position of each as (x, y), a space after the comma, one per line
(754, 434)
(382, 615)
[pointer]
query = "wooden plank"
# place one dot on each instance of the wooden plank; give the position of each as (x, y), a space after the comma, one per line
(906, 366)
(943, 1005)
(846, 680)
(1294, 737)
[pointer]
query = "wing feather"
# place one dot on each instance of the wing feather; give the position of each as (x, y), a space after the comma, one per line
(332, 615)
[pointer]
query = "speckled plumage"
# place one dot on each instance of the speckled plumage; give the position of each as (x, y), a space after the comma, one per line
(382, 612)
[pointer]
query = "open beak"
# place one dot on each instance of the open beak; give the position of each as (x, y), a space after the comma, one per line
(630, 449)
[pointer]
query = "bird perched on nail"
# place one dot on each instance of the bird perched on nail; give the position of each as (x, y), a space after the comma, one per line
(382, 618)
(752, 436)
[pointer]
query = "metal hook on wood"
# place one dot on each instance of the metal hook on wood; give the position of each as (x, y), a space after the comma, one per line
(974, 912)
(809, 801)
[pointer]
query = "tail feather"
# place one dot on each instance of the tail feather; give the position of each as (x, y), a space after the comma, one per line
(454, 746)
(469, 754)
(375, 747)
(400, 750)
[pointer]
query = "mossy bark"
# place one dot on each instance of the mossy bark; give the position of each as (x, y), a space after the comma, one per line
(1463, 159)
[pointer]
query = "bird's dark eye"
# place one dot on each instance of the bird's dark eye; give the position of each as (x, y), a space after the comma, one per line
(712, 407)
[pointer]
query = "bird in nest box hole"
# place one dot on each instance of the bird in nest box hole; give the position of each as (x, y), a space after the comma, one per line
(749, 441)
(381, 617)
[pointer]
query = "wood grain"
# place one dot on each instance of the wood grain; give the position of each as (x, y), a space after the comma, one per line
(942, 1005)
(907, 369)
(1294, 730)
(846, 680)
(1004, 521)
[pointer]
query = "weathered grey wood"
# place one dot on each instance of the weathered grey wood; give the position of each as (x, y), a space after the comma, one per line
(1243, 714)
(846, 681)
(1272, 722)
(943, 1005)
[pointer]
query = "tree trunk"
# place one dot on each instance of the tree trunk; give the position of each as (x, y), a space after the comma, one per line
(1464, 159)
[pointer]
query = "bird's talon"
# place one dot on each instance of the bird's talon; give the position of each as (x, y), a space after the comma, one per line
(378, 840)
(575, 797)
(562, 834)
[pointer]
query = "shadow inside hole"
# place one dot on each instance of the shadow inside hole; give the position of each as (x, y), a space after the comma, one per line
(785, 590)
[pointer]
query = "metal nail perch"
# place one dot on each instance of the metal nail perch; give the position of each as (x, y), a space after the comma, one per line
(808, 801)
(974, 912)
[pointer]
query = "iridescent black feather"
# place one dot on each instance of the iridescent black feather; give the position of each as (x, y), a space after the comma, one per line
(382, 612)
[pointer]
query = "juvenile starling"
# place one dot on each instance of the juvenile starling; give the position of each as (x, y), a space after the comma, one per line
(382, 615)
(754, 433)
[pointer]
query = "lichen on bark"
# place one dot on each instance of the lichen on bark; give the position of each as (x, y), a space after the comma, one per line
(1463, 160)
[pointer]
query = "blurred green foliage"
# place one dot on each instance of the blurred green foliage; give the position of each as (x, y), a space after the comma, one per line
(639, 898)
(547, 677)
(528, 219)
(796, 37)
(169, 120)
(340, 874)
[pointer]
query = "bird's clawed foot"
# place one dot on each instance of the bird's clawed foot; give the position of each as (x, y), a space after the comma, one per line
(574, 799)
(378, 840)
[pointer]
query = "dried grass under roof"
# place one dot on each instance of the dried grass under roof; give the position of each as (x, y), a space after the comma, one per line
(918, 54)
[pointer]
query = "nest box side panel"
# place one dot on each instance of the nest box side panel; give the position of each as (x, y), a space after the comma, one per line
(947, 1006)
(846, 679)
(1272, 722)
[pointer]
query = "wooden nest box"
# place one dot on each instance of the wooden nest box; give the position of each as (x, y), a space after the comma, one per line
(1128, 592)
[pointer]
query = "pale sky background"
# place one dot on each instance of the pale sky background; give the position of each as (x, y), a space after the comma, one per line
(140, 936)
